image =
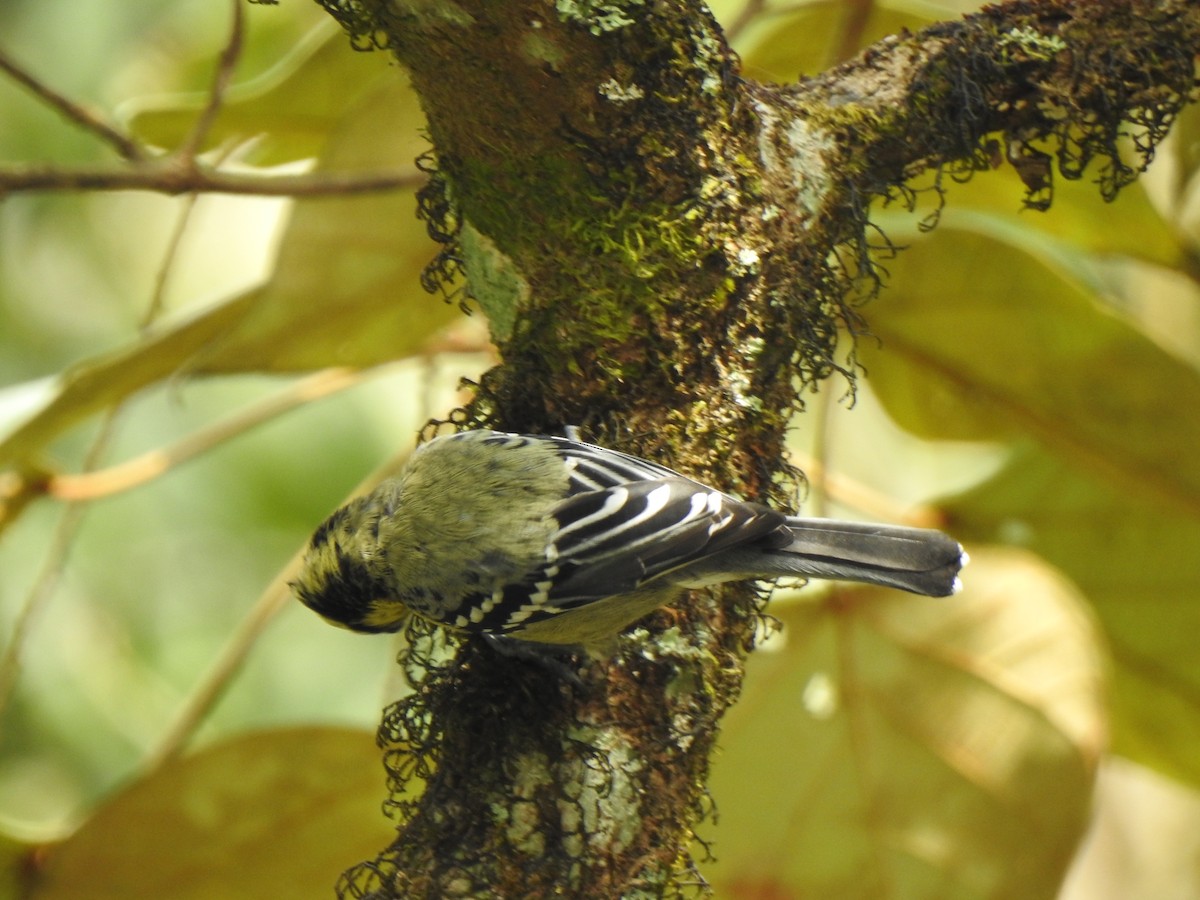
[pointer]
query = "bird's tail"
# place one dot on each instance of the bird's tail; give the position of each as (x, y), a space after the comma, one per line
(919, 560)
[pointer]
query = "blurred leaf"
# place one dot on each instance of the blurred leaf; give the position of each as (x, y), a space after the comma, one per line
(1079, 219)
(276, 814)
(991, 333)
(1144, 840)
(16, 861)
(1136, 562)
(345, 290)
(783, 46)
(291, 108)
(983, 341)
(1185, 147)
(904, 747)
(107, 380)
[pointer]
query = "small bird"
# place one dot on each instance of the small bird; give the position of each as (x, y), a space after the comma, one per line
(556, 541)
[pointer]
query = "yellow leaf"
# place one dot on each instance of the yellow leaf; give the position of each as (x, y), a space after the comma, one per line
(275, 814)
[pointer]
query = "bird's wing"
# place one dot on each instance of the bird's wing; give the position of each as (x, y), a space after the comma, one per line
(592, 468)
(613, 541)
(624, 522)
(589, 467)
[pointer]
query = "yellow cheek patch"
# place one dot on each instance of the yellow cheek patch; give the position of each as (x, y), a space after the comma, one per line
(385, 614)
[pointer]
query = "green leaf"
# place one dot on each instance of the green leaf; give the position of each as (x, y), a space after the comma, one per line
(107, 380)
(1184, 147)
(290, 109)
(345, 290)
(346, 286)
(1001, 340)
(903, 747)
(781, 46)
(1136, 562)
(983, 341)
(1078, 223)
(276, 814)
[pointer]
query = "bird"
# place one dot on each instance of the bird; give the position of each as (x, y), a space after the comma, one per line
(553, 541)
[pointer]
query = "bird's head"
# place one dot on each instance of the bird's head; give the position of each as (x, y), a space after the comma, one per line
(340, 579)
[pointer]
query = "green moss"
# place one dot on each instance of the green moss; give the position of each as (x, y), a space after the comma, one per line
(496, 283)
(631, 257)
(538, 48)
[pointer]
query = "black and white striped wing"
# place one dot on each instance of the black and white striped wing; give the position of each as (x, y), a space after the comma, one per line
(615, 540)
(592, 468)
(627, 520)
(624, 522)
(589, 467)
(612, 541)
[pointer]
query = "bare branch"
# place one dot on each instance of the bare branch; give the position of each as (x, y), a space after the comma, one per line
(126, 146)
(53, 565)
(233, 655)
(180, 172)
(221, 80)
(176, 176)
(94, 484)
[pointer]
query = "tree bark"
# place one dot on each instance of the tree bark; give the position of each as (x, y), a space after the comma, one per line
(667, 253)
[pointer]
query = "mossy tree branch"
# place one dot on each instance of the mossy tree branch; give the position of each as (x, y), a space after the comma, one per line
(666, 252)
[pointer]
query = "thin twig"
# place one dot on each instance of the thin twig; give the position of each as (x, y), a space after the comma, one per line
(226, 64)
(48, 577)
(158, 295)
(151, 465)
(180, 172)
(212, 686)
(63, 539)
(126, 146)
(168, 176)
(196, 707)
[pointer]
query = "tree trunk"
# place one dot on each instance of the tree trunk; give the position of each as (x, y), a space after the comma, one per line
(667, 253)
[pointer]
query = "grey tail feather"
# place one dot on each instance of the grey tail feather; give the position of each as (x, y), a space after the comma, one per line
(919, 560)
